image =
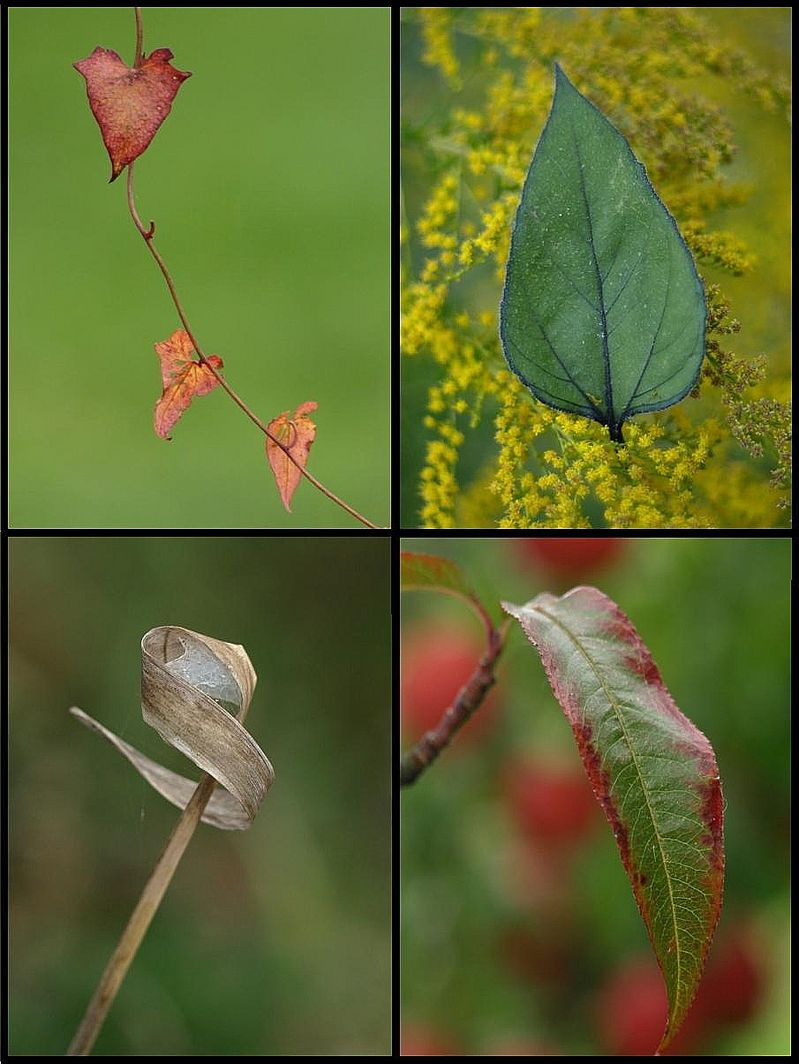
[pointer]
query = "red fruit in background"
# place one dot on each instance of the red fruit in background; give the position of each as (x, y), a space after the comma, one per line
(551, 804)
(732, 986)
(437, 659)
(571, 557)
(632, 1007)
(424, 1042)
(632, 1010)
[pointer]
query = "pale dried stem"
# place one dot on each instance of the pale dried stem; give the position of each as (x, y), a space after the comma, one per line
(140, 920)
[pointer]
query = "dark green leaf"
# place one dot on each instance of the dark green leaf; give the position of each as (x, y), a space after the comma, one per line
(653, 772)
(603, 312)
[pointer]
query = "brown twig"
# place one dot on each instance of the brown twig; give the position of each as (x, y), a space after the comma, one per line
(426, 750)
(137, 61)
(147, 235)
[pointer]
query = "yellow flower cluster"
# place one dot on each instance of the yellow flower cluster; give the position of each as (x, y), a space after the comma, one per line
(439, 488)
(461, 392)
(645, 484)
(438, 50)
(493, 237)
(682, 468)
(440, 211)
(721, 249)
(420, 320)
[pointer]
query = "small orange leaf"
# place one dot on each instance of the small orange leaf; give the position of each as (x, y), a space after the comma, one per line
(297, 432)
(129, 103)
(182, 377)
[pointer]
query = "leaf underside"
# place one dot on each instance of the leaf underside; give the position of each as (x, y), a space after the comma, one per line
(603, 312)
(419, 571)
(429, 572)
(653, 772)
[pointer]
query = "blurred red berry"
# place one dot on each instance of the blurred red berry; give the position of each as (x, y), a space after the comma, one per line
(632, 1007)
(436, 661)
(570, 557)
(424, 1042)
(551, 804)
(632, 1010)
(732, 985)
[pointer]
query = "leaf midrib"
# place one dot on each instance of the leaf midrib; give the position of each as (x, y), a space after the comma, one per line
(616, 709)
(600, 284)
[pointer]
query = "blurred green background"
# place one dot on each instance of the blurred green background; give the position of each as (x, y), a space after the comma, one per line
(276, 940)
(511, 943)
(761, 299)
(269, 185)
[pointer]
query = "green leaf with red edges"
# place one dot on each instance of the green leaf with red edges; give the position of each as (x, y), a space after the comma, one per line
(429, 572)
(129, 103)
(297, 431)
(653, 772)
(183, 378)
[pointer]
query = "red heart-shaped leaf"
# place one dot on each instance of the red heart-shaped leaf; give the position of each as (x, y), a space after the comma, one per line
(129, 103)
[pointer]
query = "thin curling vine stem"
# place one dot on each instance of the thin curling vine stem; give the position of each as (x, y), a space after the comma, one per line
(139, 37)
(426, 750)
(147, 235)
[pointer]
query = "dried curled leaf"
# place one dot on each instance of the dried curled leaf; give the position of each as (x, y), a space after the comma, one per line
(297, 432)
(129, 103)
(183, 378)
(186, 677)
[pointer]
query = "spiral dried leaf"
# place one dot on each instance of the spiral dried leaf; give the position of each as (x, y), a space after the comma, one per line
(186, 678)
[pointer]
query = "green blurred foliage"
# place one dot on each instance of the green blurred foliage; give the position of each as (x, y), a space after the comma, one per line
(269, 184)
(246, 954)
(715, 614)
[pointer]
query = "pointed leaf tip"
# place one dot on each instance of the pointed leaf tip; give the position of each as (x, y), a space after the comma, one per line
(652, 770)
(297, 432)
(182, 377)
(129, 103)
